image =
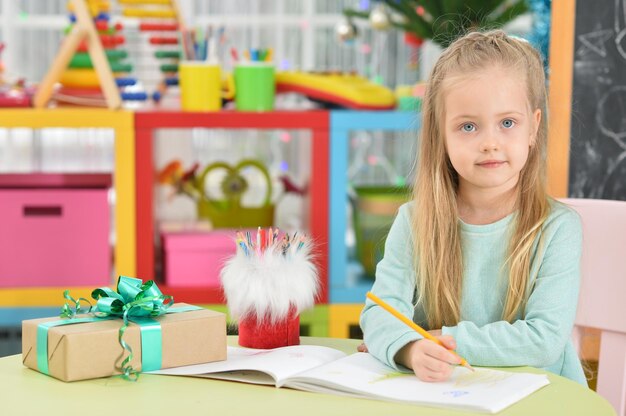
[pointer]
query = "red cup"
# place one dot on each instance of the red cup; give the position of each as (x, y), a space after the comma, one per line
(268, 334)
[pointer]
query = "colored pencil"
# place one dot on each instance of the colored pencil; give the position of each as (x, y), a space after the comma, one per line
(413, 325)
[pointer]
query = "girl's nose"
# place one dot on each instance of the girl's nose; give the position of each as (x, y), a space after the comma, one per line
(489, 143)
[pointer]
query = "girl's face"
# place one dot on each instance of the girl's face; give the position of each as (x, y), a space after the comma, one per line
(489, 130)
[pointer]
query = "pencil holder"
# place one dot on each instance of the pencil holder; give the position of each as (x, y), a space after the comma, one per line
(203, 86)
(255, 86)
(268, 282)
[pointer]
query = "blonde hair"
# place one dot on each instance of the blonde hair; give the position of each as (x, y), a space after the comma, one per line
(435, 227)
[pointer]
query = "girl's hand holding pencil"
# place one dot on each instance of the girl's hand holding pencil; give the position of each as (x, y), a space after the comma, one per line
(431, 358)
(429, 361)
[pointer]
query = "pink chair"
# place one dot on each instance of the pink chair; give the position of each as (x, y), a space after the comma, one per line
(602, 300)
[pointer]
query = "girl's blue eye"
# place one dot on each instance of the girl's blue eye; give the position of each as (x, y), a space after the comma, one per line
(468, 127)
(508, 123)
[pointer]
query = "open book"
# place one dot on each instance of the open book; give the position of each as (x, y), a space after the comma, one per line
(326, 370)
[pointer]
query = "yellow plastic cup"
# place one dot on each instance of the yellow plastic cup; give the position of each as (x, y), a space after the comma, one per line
(201, 86)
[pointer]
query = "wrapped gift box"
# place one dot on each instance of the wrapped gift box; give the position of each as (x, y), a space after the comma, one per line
(90, 350)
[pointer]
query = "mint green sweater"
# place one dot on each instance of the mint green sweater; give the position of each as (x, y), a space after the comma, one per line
(542, 338)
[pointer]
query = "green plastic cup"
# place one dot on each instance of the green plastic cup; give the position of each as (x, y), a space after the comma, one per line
(255, 87)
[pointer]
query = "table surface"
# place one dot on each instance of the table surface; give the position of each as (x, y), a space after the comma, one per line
(27, 392)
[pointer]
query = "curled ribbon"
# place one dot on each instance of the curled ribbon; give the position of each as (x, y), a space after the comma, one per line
(134, 301)
(67, 311)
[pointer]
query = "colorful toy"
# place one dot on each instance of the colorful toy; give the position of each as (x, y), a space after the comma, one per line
(227, 212)
(88, 79)
(410, 97)
(337, 89)
(13, 95)
(83, 31)
(162, 21)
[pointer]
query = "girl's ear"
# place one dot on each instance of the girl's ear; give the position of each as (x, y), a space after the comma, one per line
(535, 128)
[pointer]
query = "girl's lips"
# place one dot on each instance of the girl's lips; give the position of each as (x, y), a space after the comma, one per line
(491, 163)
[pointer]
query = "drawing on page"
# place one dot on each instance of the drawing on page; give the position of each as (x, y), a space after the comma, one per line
(455, 393)
(392, 375)
(487, 378)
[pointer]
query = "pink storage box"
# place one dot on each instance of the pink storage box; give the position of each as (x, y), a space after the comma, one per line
(195, 259)
(54, 237)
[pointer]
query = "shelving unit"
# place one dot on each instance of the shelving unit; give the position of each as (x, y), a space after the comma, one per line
(148, 122)
(340, 301)
(343, 320)
(347, 295)
(341, 124)
(17, 304)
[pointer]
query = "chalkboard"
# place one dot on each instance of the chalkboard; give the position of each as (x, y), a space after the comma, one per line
(598, 121)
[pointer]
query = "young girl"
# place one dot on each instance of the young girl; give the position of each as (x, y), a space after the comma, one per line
(481, 257)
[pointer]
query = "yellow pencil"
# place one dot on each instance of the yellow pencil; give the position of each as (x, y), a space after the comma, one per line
(413, 325)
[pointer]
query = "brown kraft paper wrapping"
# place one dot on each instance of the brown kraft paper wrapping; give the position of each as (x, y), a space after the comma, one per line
(91, 350)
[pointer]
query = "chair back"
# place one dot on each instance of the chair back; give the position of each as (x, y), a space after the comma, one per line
(602, 300)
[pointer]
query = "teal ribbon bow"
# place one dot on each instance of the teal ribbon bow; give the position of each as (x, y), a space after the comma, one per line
(135, 302)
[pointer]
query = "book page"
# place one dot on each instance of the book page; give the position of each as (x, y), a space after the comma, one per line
(245, 364)
(362, 375)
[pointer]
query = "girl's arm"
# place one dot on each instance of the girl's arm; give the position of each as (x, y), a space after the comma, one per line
(540, 338)
(384, 334)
